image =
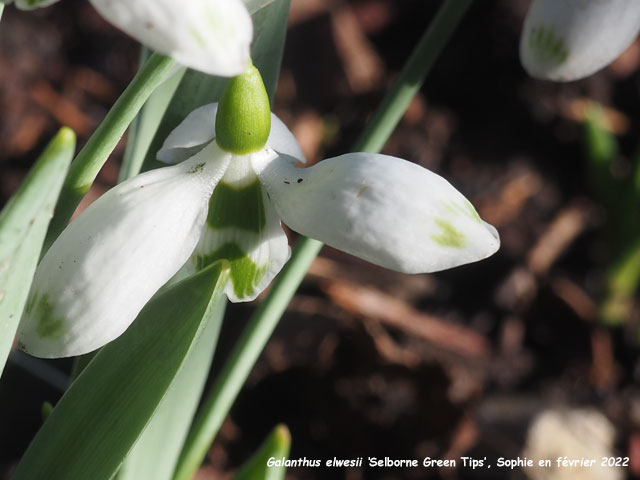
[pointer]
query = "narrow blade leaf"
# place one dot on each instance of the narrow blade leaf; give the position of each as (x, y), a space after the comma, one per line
(23, 225)
(156, 453)
(275, 447)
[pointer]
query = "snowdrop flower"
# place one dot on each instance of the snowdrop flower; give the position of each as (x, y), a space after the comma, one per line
(212, 36)
(224, 199)
(567, 40)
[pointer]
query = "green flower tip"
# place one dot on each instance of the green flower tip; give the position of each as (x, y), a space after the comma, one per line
(243, 122)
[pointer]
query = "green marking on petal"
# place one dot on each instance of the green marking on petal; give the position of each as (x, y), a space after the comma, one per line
(450, 237)
(198, 38)
(237, 207)
(472, 212)
(464, 208)
(245, 274)
(42, 310)
(547, 45)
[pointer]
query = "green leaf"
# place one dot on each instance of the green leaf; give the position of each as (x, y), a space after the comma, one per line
(23, 225)
(197, 89)
(255, 5)
(156, 453)
(601, 145)
(601, 148)
(276, 446)
(105, 410)
(622, 283)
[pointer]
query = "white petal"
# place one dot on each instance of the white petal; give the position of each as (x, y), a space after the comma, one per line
(383, 209)
(567, 40)
(282, 140)
(243, 227)
(212, 36)
(109, 261)
(195, 131)
(198, 129)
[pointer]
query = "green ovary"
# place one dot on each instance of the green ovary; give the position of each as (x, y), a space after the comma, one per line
(243, 121)
(450, 237)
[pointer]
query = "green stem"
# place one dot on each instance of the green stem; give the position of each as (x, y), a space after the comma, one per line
(92, 157)
(255, 336)
(1, 9)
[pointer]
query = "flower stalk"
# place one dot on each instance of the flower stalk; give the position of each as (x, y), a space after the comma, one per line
(261, 325)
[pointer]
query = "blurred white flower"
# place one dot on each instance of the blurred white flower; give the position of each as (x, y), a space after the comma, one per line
(567, 40)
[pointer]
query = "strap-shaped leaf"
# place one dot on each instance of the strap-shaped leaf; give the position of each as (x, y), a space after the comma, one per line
(103, 413)
(268, 461)
(156, 452)
(23, 225)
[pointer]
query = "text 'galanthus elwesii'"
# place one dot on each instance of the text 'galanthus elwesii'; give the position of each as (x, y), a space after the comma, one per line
(224, 199)
(567, 40)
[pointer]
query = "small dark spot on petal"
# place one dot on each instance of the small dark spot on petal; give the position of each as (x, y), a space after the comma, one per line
(287, 182)
(299, 180)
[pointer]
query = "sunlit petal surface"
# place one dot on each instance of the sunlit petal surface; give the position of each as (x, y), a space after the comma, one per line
(109, 261)
(383, 209)
(212, 36)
